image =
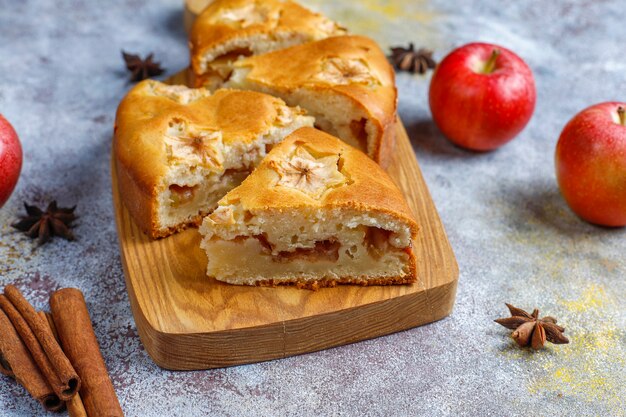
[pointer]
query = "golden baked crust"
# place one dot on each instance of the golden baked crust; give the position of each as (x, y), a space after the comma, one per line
(142, 120)
(368, 187)
(253, 27)
(329, 283)
(351, 66)
(312, 200)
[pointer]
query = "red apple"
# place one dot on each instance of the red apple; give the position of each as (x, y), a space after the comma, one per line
(591, 164)
(482, 96)
(10, 159)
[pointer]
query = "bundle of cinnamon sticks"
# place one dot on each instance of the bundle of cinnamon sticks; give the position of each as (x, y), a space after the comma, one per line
(56, 356)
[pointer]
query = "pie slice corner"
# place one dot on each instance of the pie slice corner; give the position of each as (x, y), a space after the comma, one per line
(316, 212)
(345, 82)
(178, 150)
(230, 29)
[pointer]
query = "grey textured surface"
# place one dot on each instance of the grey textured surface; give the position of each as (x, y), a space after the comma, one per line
(61, 77)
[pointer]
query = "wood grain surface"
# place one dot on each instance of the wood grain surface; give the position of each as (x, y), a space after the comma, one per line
(189, 321)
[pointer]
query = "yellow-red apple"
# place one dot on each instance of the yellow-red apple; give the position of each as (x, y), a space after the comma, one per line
(591, 164)
(481, 96)
(10, 159)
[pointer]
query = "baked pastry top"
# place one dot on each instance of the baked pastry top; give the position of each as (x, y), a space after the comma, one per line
(178, 150)
(315, 212)
(228, 29)
(347, 179)
(310, 210)
(345, 82)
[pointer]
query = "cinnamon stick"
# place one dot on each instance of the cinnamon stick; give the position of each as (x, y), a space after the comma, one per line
(46, 351)
(31, 343)
(75, 407)
(23, 368)
(47, 319)
(71, 317)
(5, 368)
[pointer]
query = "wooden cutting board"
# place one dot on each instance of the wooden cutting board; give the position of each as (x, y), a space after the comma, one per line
(189, 321)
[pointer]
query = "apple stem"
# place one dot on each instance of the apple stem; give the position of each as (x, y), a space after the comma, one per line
(621, 113)
(491, 63)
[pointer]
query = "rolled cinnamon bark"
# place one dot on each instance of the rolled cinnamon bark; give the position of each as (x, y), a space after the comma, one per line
(5, 368)
(75, 407)
(31, 343)
(47, 319)
(67, 382)
(79, 342)
(24, 368)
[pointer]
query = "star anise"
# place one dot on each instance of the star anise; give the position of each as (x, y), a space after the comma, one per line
(529, 329)
(141, 68)
(54, 221)
(411, 60)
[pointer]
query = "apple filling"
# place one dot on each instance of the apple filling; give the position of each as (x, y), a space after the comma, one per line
(181, 194)
(213, 67)
(322, 250)
(187, 204)
(334, 113)
(204, 166)
(296, 249)
(220, 69)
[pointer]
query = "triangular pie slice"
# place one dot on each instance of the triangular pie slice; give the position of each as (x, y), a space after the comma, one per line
(316, 212)
(229, 29)
(345, 82)
(179, 150)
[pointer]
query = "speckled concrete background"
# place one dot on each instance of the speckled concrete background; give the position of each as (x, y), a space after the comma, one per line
(61, 77)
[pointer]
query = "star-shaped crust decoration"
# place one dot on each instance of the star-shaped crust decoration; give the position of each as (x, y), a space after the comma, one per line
(201, 147)
(310, 175)
(248, 15)
(341, 71)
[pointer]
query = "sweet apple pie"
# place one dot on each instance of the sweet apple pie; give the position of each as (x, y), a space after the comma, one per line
(344, 82)
(229, 29)
(316, 212)
(179, 150)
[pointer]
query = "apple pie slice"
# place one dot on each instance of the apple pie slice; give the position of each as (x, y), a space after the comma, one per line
(316, 212)
(179, 150)
(229, 29)
(345, 82)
